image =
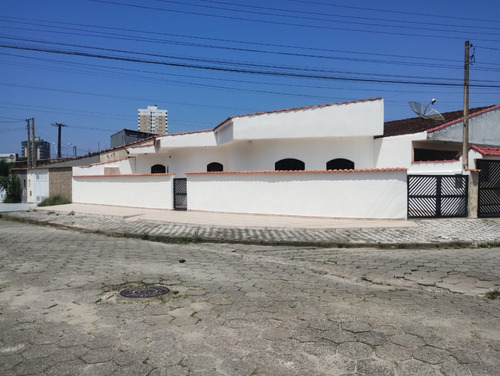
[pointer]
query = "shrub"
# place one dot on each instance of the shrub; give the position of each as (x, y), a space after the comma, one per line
(55, 200)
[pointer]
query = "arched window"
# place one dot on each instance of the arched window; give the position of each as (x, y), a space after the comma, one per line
(158, 169)
(340, 164)
(215, 166)
(289, 164)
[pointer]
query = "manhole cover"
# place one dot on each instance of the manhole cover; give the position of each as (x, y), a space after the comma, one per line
(144, 292)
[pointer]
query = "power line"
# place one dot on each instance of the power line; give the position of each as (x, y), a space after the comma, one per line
(427, 15)
(271, 45)
(228, 62)
(239, 70)
(253, 50)
(274, 22)
(299, 14)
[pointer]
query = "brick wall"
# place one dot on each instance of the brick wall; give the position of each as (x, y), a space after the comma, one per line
(60, 182)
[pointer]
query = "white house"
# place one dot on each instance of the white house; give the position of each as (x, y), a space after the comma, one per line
(334, 160)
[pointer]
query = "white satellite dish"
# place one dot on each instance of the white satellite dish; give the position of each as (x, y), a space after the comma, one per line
(425, 112)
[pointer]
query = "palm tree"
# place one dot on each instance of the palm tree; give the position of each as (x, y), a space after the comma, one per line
(9, 181)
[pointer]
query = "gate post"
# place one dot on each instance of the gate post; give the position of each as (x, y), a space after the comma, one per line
(438, 196)
(473, 194)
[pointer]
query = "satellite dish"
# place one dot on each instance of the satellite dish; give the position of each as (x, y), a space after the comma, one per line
(425, 112)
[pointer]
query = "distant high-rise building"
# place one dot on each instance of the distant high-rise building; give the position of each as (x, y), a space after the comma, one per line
(42, 148)
(152, 120)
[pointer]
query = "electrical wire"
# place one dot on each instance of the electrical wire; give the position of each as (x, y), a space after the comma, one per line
(274, 22)
(239, 70)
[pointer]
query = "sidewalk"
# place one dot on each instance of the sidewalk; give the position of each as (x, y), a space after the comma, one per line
(186, 226)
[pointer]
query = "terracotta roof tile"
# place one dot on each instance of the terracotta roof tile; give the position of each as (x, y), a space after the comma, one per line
(487, 151)
(300, 171)
(119, 175)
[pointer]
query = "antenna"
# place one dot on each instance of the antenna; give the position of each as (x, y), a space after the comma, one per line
(425, 112)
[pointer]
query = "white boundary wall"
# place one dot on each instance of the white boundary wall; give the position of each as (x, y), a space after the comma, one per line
(145, 191)
(335, 194)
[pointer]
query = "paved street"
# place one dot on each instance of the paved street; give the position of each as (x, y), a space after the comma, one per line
(236, 309)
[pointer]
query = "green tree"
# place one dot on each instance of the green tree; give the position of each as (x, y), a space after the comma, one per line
(9, 181)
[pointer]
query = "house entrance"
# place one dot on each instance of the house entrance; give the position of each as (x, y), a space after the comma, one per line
(180, 194)
(437, 196)
(489, 188)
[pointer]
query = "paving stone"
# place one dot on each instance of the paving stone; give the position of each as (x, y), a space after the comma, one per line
(374, 367)
(392, 352)
(355, 350)
(413, 367)
(73, 367)
(276, 310)
(407, 340)
(431, 355)
(9, 361)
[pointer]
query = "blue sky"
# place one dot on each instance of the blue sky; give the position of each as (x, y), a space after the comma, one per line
(90, 64)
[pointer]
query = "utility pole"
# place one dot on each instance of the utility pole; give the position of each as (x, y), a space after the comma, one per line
(465, 138)
(28, 145)
(33, 143)
(59, 126)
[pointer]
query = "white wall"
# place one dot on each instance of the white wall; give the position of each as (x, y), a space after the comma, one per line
(260, 155)
(363, 118)
(153, 191)
(438, 167)
(196, 159)
(483, 130)
(374, 194)
(125, 166)
(143, 163)
(188, 139)
(396, 151)
(37, 186)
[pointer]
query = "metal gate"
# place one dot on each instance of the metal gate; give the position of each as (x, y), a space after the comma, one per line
(489, 188)
(180, 194)
(437, 196)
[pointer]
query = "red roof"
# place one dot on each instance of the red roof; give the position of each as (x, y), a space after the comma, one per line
(417, 124)
(487, 151)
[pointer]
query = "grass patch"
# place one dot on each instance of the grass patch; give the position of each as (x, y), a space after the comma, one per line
(492, 295)
(55, 200)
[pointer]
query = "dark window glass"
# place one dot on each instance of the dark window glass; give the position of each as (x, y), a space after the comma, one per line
(340, 164)
(215, 166)
(158, 169)
(289, 164)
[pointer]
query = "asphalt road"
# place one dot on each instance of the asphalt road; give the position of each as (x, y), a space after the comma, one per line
(241, 309)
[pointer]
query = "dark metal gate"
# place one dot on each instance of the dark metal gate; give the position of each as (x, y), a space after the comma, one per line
(437, 196)
(180, 194)
(489, 188)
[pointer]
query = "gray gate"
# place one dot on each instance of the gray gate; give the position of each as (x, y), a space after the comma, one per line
(489, 188)
(180, 194)
(437, 196)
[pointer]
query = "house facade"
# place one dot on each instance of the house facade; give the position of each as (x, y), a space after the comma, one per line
(336, 160)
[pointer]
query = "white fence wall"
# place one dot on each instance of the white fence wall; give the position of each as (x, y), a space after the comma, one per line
(145, 191)
(354, 194)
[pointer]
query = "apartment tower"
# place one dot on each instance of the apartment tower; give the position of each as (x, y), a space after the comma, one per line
(152, 120)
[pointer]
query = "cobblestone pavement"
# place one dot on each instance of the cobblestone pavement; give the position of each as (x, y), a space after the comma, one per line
(237, 309)
(426, 233)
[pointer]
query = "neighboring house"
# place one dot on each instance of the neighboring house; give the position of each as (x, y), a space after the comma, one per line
(334, 160)
(128, 136)
(411, 142)
(54, 176)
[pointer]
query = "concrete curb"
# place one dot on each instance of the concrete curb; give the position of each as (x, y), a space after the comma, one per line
(194, 235)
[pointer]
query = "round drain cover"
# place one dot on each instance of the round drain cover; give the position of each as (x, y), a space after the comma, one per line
(144, 292)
